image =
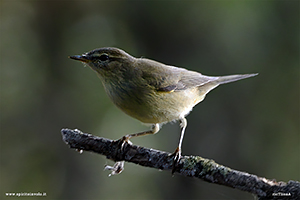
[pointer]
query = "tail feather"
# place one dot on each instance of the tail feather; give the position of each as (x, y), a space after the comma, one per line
(232, 78)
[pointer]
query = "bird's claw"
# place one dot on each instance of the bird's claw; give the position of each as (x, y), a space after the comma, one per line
(123, 140)
(116, 169)
(177, 156)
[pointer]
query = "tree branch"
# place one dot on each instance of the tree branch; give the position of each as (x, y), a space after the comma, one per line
(190, 166)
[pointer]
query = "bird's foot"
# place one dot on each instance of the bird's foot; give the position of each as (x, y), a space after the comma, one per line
(177, 157)
(123, 140)
(116, 169)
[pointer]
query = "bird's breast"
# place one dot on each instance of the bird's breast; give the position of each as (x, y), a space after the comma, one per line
(151, 106)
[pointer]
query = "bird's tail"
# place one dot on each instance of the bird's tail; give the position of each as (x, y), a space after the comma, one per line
(232, 78)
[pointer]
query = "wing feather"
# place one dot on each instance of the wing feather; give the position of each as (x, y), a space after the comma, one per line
(166, 78)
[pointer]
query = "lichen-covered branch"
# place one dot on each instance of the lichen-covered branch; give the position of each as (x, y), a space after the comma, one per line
(190, 166)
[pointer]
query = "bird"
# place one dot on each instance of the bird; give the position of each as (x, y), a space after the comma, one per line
(149, 91)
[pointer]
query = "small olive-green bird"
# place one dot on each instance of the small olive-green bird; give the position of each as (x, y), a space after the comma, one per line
(150, 91)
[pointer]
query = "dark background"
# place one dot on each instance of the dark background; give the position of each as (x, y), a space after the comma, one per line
(250, 125)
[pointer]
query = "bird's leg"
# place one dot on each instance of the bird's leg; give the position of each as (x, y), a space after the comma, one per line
(154, 129)
(177, 152)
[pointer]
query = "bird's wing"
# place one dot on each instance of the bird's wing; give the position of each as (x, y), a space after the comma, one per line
(189, 79)
(168, 78)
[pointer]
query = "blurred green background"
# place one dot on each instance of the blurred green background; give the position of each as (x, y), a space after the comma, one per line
(250, 125)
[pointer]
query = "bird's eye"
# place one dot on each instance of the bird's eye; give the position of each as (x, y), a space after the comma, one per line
(103, 57)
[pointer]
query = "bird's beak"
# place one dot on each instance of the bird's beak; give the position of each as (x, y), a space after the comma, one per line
(82, 58)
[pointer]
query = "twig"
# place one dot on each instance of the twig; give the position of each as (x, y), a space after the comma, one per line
(190, 166)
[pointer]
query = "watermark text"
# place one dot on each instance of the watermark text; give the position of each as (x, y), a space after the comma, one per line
(25, 194)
